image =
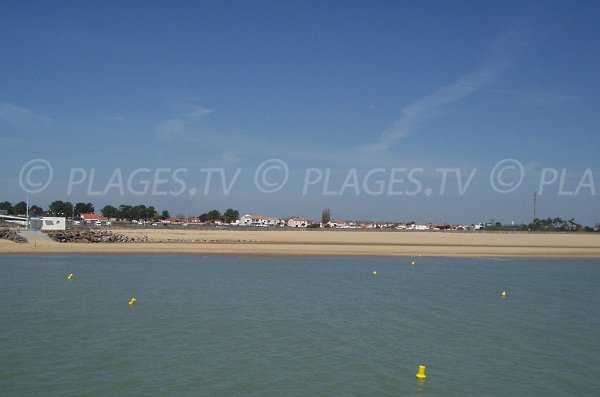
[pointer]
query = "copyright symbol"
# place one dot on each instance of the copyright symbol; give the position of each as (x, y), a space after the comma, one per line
(271, 176)
(503, 183)
(35, 175)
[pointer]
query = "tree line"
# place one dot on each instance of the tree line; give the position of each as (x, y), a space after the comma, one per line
(229, 216)
(557, 225)
(545, 225)
(70, 210)
(56, 208)
(122, 212)
(141, 212)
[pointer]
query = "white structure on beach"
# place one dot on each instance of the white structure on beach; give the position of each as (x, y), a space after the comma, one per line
(255, 220)
(54, 223)
(48, 223)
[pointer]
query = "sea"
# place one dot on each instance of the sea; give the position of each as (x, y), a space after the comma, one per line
(298, 326)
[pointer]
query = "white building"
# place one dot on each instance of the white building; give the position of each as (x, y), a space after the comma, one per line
(48, 223)
(339, 224)
(297, 222)
(417, 226)
(256, 220)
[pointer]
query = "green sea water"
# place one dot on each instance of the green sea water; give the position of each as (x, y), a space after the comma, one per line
(289, 326)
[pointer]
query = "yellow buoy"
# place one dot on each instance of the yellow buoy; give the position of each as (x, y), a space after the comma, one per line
(132, 301)
(374, 272)
(70, 276)
(421, 373)
(503, 294)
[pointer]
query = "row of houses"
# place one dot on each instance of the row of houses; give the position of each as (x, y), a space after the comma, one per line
(294, 222)
(253, 220)
(297, 222)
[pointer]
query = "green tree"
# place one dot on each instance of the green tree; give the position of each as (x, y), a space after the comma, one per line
(150, 213)
(34, 210)
(84, 208)
(138, 212)
(7, 206)
(60, 208)
(213, 215)
(125, 212)
(203, 217)
(165, 215)
(20, 208)
(230, 215)
(110, 212)
(325, 216)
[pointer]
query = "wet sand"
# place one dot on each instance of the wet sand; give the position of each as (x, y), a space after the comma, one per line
(327, 242)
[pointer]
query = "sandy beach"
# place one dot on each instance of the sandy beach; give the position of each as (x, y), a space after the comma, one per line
(326, 242)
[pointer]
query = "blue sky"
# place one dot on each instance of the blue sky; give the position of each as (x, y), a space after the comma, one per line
(336, 89)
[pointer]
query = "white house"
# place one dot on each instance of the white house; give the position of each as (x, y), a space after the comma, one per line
(339, 224)
(297, 222)
(255, 220)
(417, 226)
(90, 218)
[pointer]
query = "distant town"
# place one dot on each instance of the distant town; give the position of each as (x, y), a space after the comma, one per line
(61, 215)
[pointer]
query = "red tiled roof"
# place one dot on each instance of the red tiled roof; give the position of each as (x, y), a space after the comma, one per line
(90, 217)
(263, 217)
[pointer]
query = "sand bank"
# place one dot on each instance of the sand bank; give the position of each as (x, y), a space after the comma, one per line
(328, 242)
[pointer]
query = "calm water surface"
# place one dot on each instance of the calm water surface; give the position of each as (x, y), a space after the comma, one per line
(237, 326)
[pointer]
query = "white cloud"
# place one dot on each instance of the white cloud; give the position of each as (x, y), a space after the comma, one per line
(499, 57)
(23, 118)
(171, 129)
(230, 157)
(425, 108)
(183, 123)
(197, 111)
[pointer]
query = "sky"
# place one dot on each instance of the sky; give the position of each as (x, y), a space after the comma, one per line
(403, 111)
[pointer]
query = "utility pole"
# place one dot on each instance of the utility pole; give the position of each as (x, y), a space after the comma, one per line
(535, 205)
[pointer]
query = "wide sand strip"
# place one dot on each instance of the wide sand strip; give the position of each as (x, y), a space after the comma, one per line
(328, 242)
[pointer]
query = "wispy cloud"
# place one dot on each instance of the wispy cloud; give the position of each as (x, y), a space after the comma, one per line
(121, 119)
(499, 57)
(426, 108)
(171, 129)
(197, 111)
(230, 157)
(23, 118)
(179, 126)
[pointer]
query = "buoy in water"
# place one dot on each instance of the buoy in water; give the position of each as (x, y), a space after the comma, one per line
(503, 294)
(132, 301)
(374, 272)
(412, 263)
(70, 276)
(421, 373)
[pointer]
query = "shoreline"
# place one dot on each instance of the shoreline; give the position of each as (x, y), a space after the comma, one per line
(326, 243)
